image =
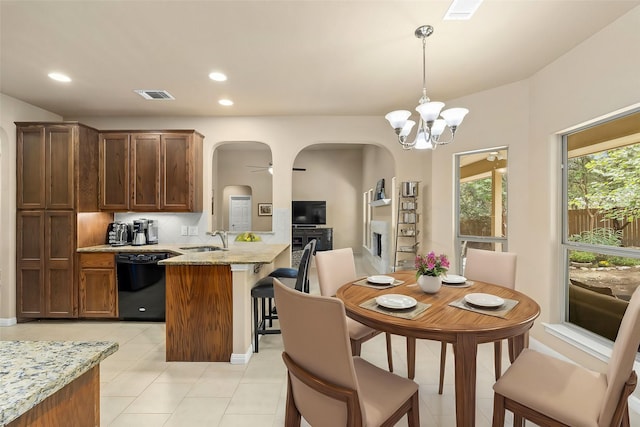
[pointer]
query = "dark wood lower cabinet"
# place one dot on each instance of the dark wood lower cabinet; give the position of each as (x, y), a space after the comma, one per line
(45, 276)
(98, 290)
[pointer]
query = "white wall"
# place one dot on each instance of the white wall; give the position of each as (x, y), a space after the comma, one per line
(594, 79)
(11, 110)
(334, 176)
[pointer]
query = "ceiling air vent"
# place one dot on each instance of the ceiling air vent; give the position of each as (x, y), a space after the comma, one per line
(154, 94)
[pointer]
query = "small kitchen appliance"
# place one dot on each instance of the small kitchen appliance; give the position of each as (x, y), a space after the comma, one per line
(118, 234)
(152, 232)
(140, 232)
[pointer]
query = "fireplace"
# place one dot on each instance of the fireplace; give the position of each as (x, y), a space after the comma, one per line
(380, 249)
(376, 245)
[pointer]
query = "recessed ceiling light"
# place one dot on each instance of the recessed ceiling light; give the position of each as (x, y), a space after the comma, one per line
(59, 77)
(461, 10)
(217, 76)
(226, 102)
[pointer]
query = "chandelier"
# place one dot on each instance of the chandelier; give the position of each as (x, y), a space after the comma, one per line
(430, 127)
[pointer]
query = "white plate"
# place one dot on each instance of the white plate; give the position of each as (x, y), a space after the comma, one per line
(484, 300)
(396, 301)
(380, 280)
(452, 278)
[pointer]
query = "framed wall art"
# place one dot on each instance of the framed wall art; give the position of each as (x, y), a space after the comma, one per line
(265, 209)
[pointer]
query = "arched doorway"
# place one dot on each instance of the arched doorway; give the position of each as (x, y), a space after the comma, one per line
(241, 168)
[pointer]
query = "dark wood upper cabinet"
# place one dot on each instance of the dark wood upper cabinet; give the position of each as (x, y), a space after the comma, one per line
(30, 155)
(114, 171)
(59, 161)
(151, 171)
(181, 172)
(56, 166)
(145, 172)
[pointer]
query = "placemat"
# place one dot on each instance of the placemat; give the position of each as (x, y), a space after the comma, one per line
(497, 312)
(466, 284)
(364, 282)
(407, 313)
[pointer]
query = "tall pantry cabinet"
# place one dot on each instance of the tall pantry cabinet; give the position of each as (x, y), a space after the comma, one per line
(57, 180)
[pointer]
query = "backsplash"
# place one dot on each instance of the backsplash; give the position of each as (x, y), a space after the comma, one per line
(172, 225)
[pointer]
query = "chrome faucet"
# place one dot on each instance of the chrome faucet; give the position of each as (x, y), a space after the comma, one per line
(223, 237)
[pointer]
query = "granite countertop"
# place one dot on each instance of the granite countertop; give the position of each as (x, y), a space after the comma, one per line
(237, 253)
(31, 371)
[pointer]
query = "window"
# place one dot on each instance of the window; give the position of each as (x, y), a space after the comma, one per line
(481, 201)
(601, 217)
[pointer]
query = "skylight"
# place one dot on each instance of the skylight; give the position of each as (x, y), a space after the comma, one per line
(462, 10)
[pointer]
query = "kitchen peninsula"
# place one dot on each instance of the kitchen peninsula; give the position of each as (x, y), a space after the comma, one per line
(208, 296)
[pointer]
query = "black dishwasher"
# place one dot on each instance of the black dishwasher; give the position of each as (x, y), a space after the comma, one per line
(141, 286)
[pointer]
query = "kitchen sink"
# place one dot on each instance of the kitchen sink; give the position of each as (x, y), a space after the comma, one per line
(202, 249)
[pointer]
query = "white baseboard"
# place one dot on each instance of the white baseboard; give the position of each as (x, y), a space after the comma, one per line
(8, 321)
(241, 359)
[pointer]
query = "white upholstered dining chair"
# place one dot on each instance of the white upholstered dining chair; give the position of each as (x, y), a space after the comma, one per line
(336, 268)
(497, 268)
(326, 384)
(552, 392)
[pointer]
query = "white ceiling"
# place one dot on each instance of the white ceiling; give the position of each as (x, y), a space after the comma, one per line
(350, 57)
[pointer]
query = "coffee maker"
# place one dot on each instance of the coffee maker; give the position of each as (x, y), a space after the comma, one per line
(140, 232)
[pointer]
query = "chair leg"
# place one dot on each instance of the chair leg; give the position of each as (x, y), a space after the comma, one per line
(411, 357)
(518, 421)
(270, 315)
(498, 410)
(389, 352)
(255, 325)
(292, 415)
(497, 358)
(512, 353)
(625, 418)
(443, 359)
(263, 314)
(356, 347)
(413, 414)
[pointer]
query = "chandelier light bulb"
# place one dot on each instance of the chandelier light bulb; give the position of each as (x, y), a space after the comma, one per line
(433, 122)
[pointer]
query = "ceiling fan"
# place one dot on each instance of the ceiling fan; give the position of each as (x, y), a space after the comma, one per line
(269, 168)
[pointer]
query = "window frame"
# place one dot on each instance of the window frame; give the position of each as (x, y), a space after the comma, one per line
(589, 342)
(459, 239)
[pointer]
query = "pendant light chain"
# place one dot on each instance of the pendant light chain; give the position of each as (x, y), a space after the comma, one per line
(425, 98)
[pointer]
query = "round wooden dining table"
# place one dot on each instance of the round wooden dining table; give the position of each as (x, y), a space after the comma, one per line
(462, 328)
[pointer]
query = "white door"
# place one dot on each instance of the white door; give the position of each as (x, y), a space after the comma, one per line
(240, 213)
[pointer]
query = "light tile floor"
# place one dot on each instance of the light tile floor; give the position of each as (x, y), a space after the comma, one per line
(138, 388)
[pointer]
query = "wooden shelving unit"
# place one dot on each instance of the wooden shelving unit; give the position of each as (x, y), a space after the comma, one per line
(407, 226)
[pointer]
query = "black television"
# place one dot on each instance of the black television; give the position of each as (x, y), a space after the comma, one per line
(309, 212)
